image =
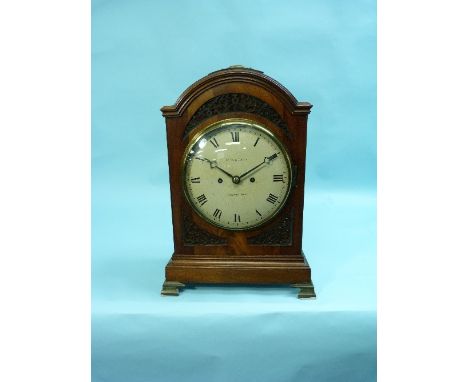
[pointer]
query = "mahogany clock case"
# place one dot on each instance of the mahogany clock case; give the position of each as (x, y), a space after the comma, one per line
(267, 254)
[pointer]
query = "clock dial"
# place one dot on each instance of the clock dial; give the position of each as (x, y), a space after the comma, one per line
(237, 175)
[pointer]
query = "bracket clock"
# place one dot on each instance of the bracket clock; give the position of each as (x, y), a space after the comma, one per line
(236, 142)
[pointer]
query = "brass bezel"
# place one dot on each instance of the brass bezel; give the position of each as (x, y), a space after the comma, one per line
(222, 124)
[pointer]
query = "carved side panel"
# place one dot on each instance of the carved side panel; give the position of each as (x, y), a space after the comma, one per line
(194, 235)
(279, 234)
(235, 102)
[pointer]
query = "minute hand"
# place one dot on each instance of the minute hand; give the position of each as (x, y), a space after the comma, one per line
(271, 157)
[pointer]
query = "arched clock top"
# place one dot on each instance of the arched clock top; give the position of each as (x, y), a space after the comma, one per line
(214, 84)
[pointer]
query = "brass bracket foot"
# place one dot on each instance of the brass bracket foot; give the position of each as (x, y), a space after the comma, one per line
(171, 288)
(305, 290)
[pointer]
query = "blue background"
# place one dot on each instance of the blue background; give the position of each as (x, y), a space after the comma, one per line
(144, 54)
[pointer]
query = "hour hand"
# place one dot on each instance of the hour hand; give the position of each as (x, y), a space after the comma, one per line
(214, 164)
(211, 162)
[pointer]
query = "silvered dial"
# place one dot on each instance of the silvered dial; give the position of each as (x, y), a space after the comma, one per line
(237, 174)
